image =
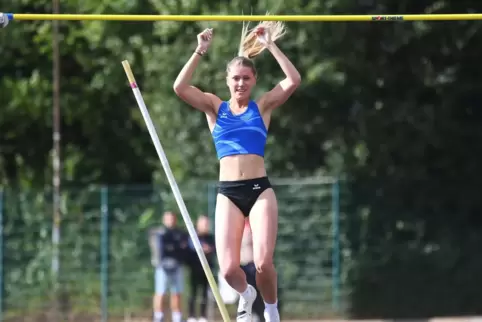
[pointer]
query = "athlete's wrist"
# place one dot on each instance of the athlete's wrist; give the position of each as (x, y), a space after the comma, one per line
(270, 46)
(200, 50)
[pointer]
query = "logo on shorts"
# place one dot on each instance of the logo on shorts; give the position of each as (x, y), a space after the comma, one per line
(256, 186)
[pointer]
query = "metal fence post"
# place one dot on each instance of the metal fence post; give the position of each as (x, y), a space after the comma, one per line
(2, 195)
(104, 265)
(211, 191)
(336, 245)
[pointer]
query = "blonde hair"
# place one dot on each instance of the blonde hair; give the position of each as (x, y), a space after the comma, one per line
(250, 46)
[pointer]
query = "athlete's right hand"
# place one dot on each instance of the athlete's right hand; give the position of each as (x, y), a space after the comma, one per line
(204, 39)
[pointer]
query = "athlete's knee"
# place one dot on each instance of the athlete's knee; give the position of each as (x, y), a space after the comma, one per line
(263, 259)
(229, 270)
(264, 264)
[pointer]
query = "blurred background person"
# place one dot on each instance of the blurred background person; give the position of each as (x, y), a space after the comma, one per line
(169, 253)
(198, 280)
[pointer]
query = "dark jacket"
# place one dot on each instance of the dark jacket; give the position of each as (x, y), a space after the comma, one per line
(172, 248)
(194, 263)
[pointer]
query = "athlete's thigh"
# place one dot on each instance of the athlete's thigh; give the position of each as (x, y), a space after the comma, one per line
(264, 226)
(229, 227)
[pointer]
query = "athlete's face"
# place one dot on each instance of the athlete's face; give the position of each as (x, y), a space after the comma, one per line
(240, 81)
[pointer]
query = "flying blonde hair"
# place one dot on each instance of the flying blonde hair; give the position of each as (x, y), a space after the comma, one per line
(250, 46)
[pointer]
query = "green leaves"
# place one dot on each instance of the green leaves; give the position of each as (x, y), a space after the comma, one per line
(375, 98)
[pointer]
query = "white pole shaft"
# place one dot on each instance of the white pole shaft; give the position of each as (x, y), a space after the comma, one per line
(177, 194)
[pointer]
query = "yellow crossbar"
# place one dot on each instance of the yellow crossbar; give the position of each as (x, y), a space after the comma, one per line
(327, 18)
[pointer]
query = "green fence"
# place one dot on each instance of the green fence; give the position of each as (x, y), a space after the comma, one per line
(105, 272)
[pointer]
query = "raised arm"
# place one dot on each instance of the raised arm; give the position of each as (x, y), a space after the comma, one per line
(283, 90)
(182, 86)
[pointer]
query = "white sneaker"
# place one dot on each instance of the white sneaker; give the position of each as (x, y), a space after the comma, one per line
(202, 319)
(191, 319)
(245, 306)
(273, 317)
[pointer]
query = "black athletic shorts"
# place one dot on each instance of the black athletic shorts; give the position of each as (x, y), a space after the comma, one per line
(244, 193)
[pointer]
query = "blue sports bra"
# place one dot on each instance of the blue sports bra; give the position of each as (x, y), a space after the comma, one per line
(239, 134)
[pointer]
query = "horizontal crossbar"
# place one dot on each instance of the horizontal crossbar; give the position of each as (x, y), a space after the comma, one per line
(300, 18)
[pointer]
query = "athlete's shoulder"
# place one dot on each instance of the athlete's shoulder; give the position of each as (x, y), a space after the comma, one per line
(212, 96)
(215, 101)
(253, 104)
(263, 104)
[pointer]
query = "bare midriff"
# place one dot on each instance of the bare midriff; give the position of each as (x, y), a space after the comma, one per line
(241, 167)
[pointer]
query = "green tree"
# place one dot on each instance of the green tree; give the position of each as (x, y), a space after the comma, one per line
(102, 140)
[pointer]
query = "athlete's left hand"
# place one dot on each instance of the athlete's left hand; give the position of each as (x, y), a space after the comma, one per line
(263, 35)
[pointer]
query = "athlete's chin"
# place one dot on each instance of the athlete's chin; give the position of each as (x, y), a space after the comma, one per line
(241, 95)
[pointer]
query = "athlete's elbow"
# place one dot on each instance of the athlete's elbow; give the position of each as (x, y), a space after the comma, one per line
(296, 80)
(293, 81)
(293, 84)
(178, 88)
